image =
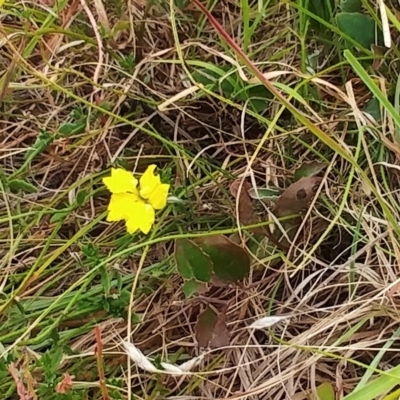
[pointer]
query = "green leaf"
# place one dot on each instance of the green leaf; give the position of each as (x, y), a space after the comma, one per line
(264, 193)
(191, 261)
(322, 10)
(117, 303)
(17, 185)
(258, 95)
(325, 391)
(50, 362)
(360, 27)
(230, 261)
(120, 26)
(373, 108)
(73, 128)
(309, 169)
(59, 216)
(105, 279)
(192, 287)
(136, 318)
(351, 5)
(218, 79)
(81, 197)
(42, 141)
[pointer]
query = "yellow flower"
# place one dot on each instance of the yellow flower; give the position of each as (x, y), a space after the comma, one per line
(135, 204)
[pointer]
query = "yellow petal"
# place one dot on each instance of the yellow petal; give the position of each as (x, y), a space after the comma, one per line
(121, 181)
(149, 181)
(158, 198)
(120, 205)
(141, 216)
(131, 225)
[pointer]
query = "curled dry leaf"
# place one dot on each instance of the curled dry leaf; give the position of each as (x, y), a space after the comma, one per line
(173, 369)
(144, 363)
(266, 322)
(139, 358)
(297, 196)
(190, 364)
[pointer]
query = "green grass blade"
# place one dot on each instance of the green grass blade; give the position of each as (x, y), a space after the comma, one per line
(378, 387)
(376, 360)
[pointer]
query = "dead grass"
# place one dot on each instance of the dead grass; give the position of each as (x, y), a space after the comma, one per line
(64, 270)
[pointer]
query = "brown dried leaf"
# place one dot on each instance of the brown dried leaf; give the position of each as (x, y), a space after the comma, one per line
(220, 334)
(204, 327)
(245, 207)
(211, 329)
(246, 212)
(297, 196)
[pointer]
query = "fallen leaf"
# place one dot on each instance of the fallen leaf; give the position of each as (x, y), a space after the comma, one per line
(204, 327)
(309, 169)
(246, 214)
(230, 261)
(211, 330)
(297, 196)
(220, 335)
